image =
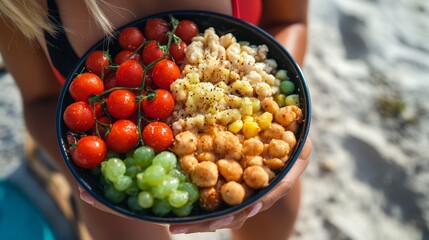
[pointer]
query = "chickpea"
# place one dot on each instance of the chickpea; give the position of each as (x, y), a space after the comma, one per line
(230, 170)
(274, 164)
(278, 148)
(205, 174)
(252, 161)
(206, 156)
(285, 116)
(210, 199)
(205, 143)
(299, 114)
(256, 177)
(252, 147)
(275, 131)
(289, 138)
(269, 105)
(232, 193)
(188, 163)
(185, 143)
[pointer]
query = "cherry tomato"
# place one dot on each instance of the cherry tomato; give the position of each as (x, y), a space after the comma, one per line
(89, 152)
(177, 52)
(121, 103)
(130, 74)
(156, 29)
(164, 73)
(151, 52)
(97, 62)
(85, 85)
(186, 30)
(98, 109)
(110, 82)
(130, 38)
(101, 127)
(160, 107)
(79, 116)
(125, 55)
(123, 136)
(157, 135)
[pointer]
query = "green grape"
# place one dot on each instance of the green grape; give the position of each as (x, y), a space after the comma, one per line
(292, 99)
(183, 211)
(113, 168)
(145, 199)
(282, 75)
(143, 156)
(132, 171)
(178, 174)
(123, 183)
(133, 189)
(191, 189)
(287, 87)
(161, 207)
(166, 159)
(129, 161)
(178, 198)
(153, 175)
(141, 182)
(133, 203)
(113, 195)
(167, 186)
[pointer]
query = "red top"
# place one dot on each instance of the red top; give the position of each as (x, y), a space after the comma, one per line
(248, 10)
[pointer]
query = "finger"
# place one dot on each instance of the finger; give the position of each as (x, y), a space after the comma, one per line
(288, 182)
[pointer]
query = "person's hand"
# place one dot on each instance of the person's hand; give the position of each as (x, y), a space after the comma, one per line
(238, 219)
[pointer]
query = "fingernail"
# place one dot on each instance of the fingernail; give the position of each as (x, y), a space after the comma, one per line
(255, 210)
(221, 223)
(179, 230)
(86, 198)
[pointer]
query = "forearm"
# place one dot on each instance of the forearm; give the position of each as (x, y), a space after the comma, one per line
(293, 37)
(40, 122)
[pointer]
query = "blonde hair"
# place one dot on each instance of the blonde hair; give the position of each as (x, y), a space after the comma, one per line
(31, 19)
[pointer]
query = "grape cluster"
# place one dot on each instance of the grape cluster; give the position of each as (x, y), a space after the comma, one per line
(146, 180)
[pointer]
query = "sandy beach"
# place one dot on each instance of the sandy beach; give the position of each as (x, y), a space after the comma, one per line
(368, 72)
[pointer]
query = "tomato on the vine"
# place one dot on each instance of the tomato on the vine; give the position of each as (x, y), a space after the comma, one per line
(164, 73)
(161, 106)
(79, 116)
(98, 62)
(85, 85)
(130, 38)
(121, 103)
(157, 135)
(130, 74)
(186, 30)
(100, 128)
(177, 52)
(110, 82)
(125, 55)
(123, 136)
(89, 152)
(156, 29)
(151, 52)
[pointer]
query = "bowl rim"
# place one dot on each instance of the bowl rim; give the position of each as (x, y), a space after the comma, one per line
(209, 215)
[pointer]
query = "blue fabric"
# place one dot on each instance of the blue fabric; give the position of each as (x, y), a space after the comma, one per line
(19, 218)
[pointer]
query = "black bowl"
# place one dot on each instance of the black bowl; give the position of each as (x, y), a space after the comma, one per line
(223, 24)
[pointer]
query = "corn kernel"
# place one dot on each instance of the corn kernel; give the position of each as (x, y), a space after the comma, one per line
(250, 129)
(236, 126)
(256, 104)
(248, 119)
(264, 120)
(246, 106)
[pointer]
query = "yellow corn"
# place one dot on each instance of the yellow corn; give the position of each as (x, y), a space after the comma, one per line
(264, 120)
(236, 126)
(250, 129)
